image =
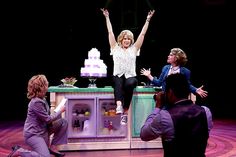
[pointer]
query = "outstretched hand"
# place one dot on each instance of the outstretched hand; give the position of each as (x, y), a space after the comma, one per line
(105, 12)
(202, 93)
(145, 72)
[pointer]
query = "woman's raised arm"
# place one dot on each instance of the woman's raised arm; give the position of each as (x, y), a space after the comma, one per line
(111, 37)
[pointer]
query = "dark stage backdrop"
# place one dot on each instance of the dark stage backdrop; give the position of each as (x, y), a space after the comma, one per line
(53, 38)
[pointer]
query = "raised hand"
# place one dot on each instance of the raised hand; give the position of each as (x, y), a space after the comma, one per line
(105, 12)
(150, 14)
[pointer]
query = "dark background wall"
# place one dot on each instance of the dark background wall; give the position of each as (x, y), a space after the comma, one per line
(53, 38)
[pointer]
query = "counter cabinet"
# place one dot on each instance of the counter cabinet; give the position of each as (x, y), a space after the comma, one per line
(93, 124)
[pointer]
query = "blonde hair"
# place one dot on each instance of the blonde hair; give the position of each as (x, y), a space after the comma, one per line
(123, 33)
(37, 87)
(181, 57)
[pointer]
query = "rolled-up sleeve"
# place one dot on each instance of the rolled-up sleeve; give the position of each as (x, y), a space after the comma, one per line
(158, 123)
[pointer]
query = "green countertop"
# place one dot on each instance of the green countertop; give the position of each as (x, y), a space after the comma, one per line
(105, 89)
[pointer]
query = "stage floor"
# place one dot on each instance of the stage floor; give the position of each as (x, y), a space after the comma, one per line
(222, 142)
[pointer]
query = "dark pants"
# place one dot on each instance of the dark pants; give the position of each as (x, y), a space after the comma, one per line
(123, 89)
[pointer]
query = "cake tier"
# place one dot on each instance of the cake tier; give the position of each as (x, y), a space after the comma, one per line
(93, 72)
(94, 54)
(95, 63)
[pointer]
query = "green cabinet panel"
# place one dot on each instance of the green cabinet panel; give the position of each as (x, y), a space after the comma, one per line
(142, 106)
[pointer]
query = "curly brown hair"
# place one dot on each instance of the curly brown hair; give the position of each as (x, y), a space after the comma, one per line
(37, 86)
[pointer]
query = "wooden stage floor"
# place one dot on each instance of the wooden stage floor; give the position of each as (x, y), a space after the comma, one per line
(222, 142)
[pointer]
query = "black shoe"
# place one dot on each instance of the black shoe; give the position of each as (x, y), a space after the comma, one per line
(14, 149)
(57, 154)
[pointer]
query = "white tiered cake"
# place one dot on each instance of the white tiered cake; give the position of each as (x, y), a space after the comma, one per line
(93, 66)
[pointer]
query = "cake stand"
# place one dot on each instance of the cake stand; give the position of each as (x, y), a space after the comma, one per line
(92, 78)
(92, 81)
